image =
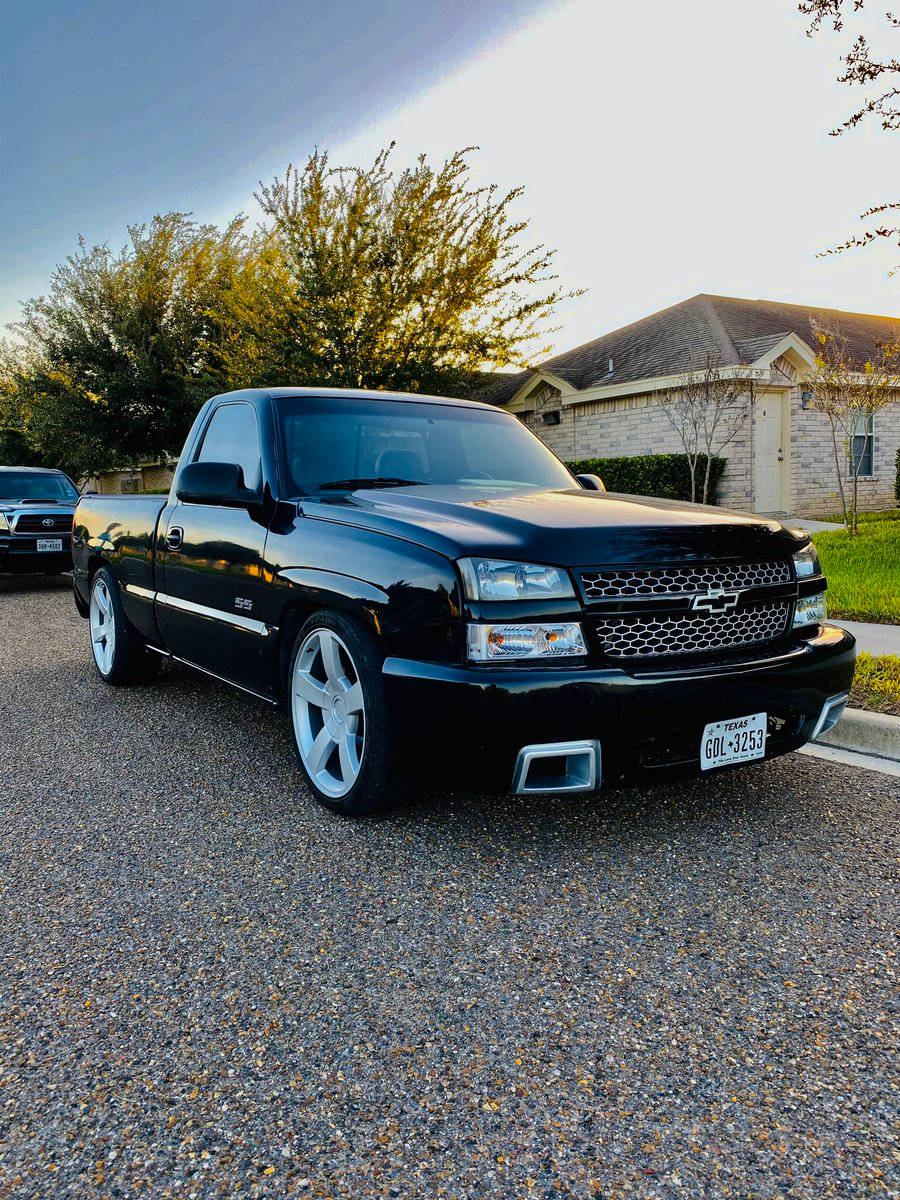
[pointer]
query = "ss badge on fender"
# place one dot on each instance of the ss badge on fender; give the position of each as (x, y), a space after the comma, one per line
(240, 602)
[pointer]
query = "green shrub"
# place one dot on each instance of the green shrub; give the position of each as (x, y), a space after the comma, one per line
(666, 475)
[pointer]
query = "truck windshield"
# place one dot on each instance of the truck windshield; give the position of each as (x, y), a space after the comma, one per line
(334, 444)
(33, 485)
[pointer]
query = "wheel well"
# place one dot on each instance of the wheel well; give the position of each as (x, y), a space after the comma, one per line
(298, 611)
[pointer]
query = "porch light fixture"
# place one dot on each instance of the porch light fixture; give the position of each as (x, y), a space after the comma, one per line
(805, 398)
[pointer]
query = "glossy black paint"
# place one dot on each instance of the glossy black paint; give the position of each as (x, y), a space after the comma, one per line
(226, 587)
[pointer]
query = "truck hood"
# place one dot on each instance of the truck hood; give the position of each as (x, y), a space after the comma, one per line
(570, 528)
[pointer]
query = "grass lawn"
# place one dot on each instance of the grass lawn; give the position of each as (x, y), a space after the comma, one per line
(876, 685)
(863, 572)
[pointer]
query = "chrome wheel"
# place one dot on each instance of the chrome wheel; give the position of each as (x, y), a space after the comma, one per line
(103, 626)
(328, 712)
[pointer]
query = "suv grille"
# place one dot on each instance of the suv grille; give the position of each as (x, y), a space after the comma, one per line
(693, 633)
(34, 523)
(613, 585)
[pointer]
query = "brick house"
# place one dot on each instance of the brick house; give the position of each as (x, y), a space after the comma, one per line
(602, 399)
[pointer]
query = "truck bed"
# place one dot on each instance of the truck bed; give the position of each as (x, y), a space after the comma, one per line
(121, 530)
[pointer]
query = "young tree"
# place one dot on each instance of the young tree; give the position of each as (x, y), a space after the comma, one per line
(116, 356)
(849, 394)
(878, 75)
(367, 278)
(706, 408)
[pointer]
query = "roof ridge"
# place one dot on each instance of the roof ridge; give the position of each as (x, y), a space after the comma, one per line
(813, 308)
(720, 330)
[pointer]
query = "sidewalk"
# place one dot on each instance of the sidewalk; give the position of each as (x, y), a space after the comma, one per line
(874, 639)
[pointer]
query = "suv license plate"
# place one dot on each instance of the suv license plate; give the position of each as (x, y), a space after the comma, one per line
(48, 544)
(738, 740)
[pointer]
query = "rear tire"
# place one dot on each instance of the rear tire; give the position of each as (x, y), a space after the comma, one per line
(340, 719)
(120, 655)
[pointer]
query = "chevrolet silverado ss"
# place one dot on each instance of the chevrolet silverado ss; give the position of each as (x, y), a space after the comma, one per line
(428, 590)
(36, 510)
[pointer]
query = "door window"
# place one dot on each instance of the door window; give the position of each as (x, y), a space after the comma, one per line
(232, 437)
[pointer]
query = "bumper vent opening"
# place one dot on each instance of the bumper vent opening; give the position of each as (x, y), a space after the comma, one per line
(557, 767)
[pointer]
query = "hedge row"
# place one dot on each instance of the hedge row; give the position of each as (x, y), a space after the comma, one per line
(665, 475)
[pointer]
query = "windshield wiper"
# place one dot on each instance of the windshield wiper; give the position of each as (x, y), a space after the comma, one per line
(380, 481)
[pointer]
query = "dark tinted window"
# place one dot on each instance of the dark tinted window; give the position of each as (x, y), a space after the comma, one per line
(32, 485)
(232, 437)
(330, 439)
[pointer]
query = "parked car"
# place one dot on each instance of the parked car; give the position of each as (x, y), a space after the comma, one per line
(428, 589)
(36, 511)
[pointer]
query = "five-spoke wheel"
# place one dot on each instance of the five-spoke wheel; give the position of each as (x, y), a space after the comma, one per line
(103, 626)
(329, 712)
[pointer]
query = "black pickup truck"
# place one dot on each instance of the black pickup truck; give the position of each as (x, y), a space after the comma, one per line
(428, 589)
(36, 510)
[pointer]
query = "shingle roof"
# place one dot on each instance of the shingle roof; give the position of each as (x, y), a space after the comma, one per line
(673, 340)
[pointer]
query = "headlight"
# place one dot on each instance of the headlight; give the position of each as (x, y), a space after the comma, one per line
(488, 643)
(810, 610)
(490, 579)
(4, 524)
(806, 562)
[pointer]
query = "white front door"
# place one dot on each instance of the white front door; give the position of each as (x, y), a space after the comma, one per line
(768, 453)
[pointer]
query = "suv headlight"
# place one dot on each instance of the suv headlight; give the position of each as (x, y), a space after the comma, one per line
(806, 562)
(4, 524)
(493, 579)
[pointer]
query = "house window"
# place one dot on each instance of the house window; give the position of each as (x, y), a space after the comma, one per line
(863, 445)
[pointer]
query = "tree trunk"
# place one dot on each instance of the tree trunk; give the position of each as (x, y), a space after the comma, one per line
(839, 473)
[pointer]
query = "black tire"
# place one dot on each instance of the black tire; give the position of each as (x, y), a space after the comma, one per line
(129, 661)
(380, 783)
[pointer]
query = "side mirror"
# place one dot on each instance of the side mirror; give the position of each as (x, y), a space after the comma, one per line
(591, 483)
(213, 483)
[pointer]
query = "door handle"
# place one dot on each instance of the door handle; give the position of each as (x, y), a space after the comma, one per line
(175, 537)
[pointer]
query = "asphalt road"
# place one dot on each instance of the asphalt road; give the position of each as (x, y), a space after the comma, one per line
(211, 987)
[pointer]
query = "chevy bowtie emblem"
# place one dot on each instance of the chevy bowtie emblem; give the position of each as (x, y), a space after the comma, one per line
(47, 522)
(715, 601)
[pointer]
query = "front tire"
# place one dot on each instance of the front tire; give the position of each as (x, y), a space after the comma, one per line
(339, 716)
(120, 656)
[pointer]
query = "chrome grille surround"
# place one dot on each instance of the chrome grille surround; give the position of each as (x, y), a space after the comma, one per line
(624, 583)
(34, 523)
(645, 634)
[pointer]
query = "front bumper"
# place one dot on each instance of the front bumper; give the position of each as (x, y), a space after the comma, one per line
(468, 723)
(19, 554)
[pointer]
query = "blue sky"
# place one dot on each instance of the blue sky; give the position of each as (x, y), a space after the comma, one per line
(665, 148)
(112, 111)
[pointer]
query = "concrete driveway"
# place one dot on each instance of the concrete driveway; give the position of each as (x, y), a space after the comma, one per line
(211, 987)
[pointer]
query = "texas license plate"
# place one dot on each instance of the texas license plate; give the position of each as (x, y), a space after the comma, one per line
(739, 740)
(48, 544)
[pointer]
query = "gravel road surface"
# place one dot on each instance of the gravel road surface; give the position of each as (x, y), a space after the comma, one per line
(211, 987)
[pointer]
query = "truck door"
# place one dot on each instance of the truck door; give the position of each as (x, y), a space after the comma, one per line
(210, 560)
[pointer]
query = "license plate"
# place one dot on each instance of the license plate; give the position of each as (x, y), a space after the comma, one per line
(739, 740)
(48, 544)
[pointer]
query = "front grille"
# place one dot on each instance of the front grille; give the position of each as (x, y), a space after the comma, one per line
(667, 581)
(34, 523)
(638, 635)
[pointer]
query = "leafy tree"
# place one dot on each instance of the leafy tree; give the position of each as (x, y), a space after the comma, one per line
(707, 407)
(366, 278)
(116, 355)
(878, 76)
(849, 394)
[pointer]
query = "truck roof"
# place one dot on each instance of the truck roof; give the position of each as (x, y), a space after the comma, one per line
(255, 394)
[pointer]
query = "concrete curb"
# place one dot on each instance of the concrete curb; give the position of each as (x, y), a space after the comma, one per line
(866, 733)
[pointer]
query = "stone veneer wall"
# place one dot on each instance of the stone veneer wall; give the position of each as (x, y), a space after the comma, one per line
(633, 425)
(813, 481)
